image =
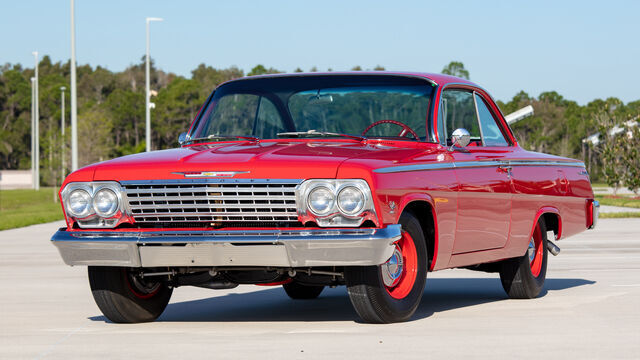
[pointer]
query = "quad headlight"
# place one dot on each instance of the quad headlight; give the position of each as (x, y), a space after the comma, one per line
(350, 200)
(335, 202)
(105, 202)
(321, 200)
(79, 203)
(93, 204)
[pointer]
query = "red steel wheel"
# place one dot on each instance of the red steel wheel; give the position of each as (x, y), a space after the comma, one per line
(523, 277)
(125, 297)
(400, 271)
(535, 252)
(391, 292)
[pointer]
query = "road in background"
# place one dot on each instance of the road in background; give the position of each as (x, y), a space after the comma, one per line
(590, 310)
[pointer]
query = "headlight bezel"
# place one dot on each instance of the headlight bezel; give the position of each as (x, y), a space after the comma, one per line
(93, 218)
(336, 216)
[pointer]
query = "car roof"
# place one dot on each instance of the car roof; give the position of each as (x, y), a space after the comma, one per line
(437, 79)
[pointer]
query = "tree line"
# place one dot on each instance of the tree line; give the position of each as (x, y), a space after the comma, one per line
(111, 117)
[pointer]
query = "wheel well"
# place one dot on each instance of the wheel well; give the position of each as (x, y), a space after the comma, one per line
(422, 211)
(551, 222)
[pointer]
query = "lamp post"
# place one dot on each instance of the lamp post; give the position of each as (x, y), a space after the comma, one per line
(147, 90)
(33, 132)
(63, 142)
(74, 96)
(36, 127)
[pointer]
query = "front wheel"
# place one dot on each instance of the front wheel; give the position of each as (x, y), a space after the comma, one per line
(125, 297)
(523, 277)
(391, 292)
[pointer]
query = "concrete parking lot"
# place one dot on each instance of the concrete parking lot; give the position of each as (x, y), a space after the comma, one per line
(591, 309)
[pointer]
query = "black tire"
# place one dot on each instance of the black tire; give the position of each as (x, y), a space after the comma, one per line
(124, 298)
(302, 292)
(518, 275)
(369, 295)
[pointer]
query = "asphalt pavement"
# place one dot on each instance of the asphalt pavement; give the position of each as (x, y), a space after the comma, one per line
(589, 310)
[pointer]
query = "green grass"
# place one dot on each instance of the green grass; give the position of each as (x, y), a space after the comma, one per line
(20, 208)
(625, 201)
(620, 215)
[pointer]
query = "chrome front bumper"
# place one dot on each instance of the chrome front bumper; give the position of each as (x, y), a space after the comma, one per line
(278, 248)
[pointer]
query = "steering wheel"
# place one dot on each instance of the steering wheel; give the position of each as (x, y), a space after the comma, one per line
(405, 129)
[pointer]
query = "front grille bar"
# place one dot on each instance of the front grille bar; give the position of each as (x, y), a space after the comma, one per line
(212, 200)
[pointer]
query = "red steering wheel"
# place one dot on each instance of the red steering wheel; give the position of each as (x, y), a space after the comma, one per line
(405, 129)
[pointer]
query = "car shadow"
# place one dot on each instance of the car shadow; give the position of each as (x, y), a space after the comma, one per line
(272, 304)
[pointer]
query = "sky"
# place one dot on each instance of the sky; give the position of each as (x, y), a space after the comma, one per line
(584, 50)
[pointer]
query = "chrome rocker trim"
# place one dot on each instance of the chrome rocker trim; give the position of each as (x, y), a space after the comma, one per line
(282, 248)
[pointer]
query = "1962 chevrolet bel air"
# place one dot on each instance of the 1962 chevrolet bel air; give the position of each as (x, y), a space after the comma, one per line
(369, 180)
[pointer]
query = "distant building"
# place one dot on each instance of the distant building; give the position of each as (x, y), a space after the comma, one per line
(16, 179)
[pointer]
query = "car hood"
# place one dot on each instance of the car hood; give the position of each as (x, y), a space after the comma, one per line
(275, 160)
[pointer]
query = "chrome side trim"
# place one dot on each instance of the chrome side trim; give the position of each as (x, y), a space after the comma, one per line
(545, 163)
(278, 247)
(470, 164)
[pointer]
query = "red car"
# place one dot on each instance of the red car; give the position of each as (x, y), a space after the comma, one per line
(369, 180)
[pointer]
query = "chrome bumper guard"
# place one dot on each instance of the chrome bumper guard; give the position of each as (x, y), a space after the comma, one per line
(278, 248)
(595, 213)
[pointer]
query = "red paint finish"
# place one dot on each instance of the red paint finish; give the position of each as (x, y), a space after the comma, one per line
(276, 283)
(484, 202)
(482, 214)
(409, 268)
(536, 263)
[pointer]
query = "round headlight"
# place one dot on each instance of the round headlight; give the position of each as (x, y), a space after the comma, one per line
(79, 203)
(105, 202)
(321, 200)
(350, 200)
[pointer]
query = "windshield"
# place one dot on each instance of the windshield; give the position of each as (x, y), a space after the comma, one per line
(319, 106)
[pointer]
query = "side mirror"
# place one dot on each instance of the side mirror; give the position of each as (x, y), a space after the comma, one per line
(182, 138)
(460, 137)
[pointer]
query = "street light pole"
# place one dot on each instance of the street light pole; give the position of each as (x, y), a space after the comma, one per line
(33, 132)
(37, 127)
(63, 142)
(74, 109)
(147, 89)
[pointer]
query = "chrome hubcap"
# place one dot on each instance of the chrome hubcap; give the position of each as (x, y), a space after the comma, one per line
(392, 269)
(531, 251)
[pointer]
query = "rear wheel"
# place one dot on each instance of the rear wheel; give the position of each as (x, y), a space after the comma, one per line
(302, 292)
(125, 297)
(391, 292)
(523, 277)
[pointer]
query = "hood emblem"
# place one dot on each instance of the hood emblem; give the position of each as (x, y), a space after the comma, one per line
(217, 174)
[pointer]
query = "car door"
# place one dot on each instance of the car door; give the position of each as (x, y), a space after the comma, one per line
(484, 189)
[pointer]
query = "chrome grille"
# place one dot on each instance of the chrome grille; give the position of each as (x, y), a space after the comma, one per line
(213, 201)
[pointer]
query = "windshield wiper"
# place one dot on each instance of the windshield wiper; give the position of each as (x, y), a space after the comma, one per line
(225, 137)
(320, 133)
